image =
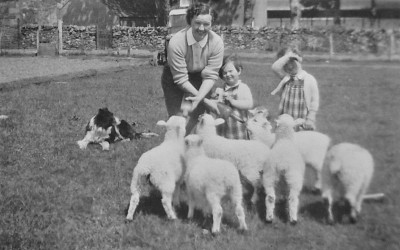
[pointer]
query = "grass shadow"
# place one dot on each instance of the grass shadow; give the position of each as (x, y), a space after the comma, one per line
(318, 211)
(149, 205)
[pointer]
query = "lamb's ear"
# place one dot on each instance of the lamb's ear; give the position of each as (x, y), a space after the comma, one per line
(200, 142)
(252, 111)
(162, 123)
(219, 121)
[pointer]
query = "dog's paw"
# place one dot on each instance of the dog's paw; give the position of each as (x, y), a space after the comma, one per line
(105, 145)
(82, 144)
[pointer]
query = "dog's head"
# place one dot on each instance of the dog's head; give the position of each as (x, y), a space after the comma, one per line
(104, 118)
(126, 130)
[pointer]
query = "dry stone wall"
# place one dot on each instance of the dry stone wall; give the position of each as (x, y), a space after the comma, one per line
(267, 39)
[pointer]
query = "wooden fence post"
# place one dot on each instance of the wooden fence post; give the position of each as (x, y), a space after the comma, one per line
(391, 44)
(38, 38)
(60, 37)
(1, 47)
(19, 33)
(331, 45)
(97, 37)
(129, 43)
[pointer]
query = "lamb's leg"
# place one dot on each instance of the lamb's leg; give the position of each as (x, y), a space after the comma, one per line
(190, 207)
(361, 194)
(318, 182)
(269, 203)
(240, 214)
(293, 205)
(216, 208)
(133, 204)
(254, 197)
(353, 207)
(328, 202)
(269, 186)
(167, 204)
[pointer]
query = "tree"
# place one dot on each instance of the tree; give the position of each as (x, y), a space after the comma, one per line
(158, 8)
(295, 14)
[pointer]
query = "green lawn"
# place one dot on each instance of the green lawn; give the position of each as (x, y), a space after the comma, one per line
(55, 196)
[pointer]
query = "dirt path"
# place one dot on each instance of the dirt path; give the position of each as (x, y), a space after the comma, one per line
(14, 69)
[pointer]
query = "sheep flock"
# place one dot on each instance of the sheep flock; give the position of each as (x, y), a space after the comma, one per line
(202, 169)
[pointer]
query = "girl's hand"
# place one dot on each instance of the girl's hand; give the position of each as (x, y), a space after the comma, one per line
(290, 54)
(228, 98)
(309, 125)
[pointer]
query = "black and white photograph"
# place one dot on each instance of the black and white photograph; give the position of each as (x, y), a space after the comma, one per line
(199, 124)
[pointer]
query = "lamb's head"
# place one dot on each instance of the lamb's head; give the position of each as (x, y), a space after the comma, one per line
(259, 128)
(176, 126)
(257, 121)
(193, 146)
(259, 112)
(285, 125)
(207, 123)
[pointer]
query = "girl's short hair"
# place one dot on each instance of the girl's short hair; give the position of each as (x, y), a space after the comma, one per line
(199, 9)
(290, 65)
(233, 58)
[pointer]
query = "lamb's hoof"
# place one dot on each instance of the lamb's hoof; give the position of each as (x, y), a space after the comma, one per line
(330, 222)
(353, 220)
(127, 221)
(244, 231)
(293, 222)
(215, 234)
(268, 221)
(205, 232)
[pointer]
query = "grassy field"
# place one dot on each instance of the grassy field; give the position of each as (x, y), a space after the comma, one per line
(55, 196)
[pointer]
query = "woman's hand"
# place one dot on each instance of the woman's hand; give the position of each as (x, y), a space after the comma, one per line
(195, 101)
(212, 105)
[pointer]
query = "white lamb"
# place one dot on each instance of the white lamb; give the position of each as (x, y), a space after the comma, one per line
(248, 156)
(313, 145)
(347, 174)
(208, 181)
(285, 161)
(162, 167)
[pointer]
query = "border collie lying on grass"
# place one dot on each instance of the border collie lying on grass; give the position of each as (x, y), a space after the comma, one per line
(104, 128)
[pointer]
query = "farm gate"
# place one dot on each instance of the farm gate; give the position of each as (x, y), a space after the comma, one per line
(103, 38)
(10, 37)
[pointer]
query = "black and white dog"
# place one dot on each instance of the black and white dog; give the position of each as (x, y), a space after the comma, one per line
(105, 128)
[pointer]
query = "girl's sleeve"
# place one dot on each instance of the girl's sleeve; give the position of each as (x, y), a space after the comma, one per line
(214, 61)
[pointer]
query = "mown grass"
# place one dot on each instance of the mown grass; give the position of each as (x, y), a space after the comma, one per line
(55, 196)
